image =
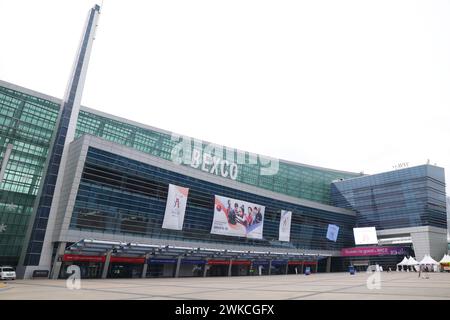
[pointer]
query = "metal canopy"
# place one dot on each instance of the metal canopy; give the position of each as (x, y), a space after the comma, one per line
(124, 249)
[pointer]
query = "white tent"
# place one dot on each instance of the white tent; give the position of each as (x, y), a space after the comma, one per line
(445, 259)
(404, 262)
(428, 260)
(412, 262)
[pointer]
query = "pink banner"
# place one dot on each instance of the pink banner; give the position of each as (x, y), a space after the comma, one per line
(372, 251)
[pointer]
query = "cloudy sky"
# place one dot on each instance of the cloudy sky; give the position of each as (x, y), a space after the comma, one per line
(350, 85)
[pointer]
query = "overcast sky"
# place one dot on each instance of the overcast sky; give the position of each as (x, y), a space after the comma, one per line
(350, 85)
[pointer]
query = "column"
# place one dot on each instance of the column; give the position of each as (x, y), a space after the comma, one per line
(317, 265)
(177, 269)
(287, 267)
(145, 266)
(205, 269)
(270, 267)
(106, 265)
(229, 267)
(329, 264)
(303, 267)
(57, 262)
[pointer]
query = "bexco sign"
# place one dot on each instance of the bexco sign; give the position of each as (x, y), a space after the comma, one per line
(214, 165)
(188, 151)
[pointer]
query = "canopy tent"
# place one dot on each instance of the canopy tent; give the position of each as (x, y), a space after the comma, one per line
(445, 259)
(412, 262)
(428, 260)
(404, 262)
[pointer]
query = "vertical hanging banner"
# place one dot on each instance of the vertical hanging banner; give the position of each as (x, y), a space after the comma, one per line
(285, 226)
(332, 232)
(175, 207)
(237, 218)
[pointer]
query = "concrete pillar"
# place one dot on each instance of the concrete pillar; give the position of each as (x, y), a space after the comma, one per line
(317, 265)
(177, 269)
(329, 264)
(287, 267)
(57, 263)
(205, 270)
(229, 267)
(303, 267)
(106, 265)
(145, 266)
(270, 267)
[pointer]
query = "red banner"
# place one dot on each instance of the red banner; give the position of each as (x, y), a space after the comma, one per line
(127, 260)
(82, 258)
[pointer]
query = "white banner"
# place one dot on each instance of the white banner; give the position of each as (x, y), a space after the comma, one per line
(237, 218)
(332, 232)
(175, 207)
(285, 226)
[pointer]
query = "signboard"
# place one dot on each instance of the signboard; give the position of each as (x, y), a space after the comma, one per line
(127, 260)
(237, 218)
(193, 261)
(41, 273)
(332, 232)
(175, 207)
(365, 235)
(82, 258)
(162, 261)
(372, 251)
(214, 165)
(279, 262)
(261, 263)
(285, 226)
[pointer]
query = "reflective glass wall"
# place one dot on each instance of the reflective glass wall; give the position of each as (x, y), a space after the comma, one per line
(408, 197)
(291, 179)
(28, 123)
(119, 195)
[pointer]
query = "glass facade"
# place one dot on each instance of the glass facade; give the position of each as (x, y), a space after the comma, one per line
(120, 195)
(398, 199)
(28, 123)
(131, 201)
(292, 179)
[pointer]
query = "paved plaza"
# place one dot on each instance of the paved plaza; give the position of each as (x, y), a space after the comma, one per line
(394, 285)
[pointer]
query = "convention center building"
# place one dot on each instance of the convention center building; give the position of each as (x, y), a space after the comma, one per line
(118, 198)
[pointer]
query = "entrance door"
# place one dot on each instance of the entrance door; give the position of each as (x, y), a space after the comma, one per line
(218, 270)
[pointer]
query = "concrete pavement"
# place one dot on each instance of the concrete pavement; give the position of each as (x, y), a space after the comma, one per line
(324, 286)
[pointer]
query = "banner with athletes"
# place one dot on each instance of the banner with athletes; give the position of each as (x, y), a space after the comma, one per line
(175, 207)
(237, 218)
(285, 226)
